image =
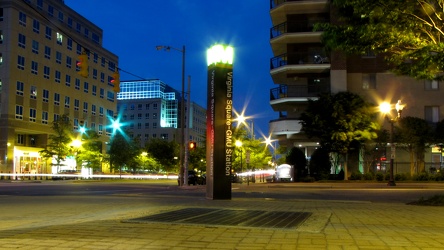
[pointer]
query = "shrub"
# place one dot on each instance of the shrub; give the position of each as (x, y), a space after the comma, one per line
(379, 176)
(368, 176)
(423, 176)
(356, 176)
(401, 177)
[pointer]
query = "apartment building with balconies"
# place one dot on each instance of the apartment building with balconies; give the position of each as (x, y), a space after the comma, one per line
(301, 69)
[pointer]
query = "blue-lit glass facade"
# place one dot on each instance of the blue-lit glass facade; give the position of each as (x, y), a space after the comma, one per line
(149, 109)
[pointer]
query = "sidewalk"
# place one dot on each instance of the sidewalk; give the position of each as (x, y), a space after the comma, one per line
(332, 225)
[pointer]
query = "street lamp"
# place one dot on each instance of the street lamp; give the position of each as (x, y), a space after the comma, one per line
(183, 172)
(241, 119)
(386, 109)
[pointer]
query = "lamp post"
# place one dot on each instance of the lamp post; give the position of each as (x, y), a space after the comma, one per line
(183, 173)
(386, 109)
(241, 119)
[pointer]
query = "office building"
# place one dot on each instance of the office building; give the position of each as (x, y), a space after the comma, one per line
(40, 45)
(150, 109)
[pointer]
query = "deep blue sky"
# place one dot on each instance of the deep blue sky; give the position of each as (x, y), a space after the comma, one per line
(133, 28)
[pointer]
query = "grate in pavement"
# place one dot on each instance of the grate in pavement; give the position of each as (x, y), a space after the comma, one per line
(229, 217)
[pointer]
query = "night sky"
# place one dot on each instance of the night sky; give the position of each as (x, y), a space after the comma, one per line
(132, 29)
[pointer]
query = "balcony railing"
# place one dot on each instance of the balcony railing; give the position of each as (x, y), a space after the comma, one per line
(275, 3)
(298, 58)
(293, 27)
(311, 90)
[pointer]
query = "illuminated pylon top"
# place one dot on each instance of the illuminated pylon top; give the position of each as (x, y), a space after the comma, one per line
(220, 54)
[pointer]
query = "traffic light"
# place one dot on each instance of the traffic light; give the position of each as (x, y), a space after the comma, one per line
(116, 81)
(82, 63)
(192, 145)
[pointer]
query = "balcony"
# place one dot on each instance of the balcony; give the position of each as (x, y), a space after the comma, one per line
(293, 32)
(279, 9)
(285, 97)
(285, 126)
(284, 66)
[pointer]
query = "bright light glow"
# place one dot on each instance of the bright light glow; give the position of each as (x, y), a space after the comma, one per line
(238, 144)
(385, 107)
(76, 143)
(220, 54)
(399, 106)
(116, 124)
(82, 130)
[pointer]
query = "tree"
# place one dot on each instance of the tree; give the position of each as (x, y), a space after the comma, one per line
(164, 152)
(320, 165)
(415, 133)
(408, 34)
(297, 159)
(58, 146)
(338, 120)
(90, 155)
(123, 152)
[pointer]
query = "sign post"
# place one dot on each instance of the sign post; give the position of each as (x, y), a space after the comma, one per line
(219, 121)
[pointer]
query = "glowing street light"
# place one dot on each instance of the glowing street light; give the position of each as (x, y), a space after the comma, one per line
(239, 145)
(386, 108)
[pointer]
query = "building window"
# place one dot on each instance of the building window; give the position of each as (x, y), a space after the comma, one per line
(67, 100)
(154, 124)
(95, 57)
(56, 99)
(69, 44)
(20, 88)
(164, 136)
(50, 10)
(59, 38)
(139, 116)
(56, 117)
(147, 125)
(94, 73)
(32, 115)
(57, 76)
(22, 19)
(369, 81)
(35, 47)
(78, 49)
(21, 62)
(34, 68)
(47, 52)
(102, 77)
(36, 26)
(68, 62)
(45, 95)
(21, 41)
(85, 87)
(20, 139)
(94, 90)
(48, 33)
(76, 104)
(78, 27)
(40, 4)
(147, 115)
(77, 84)
(61, 18)
(102, 93)
(46, 72)
(93, 109)
(100, 131)
(100, 111)
(432, 114)
(58, 57)
(19, 112)
(431, 85)
(85, 107)
(45, 117)
(68, 80)
(33, 94)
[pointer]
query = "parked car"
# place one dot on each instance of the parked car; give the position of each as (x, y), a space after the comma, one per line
(66, 174)
(202, 179)
(192, 177)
